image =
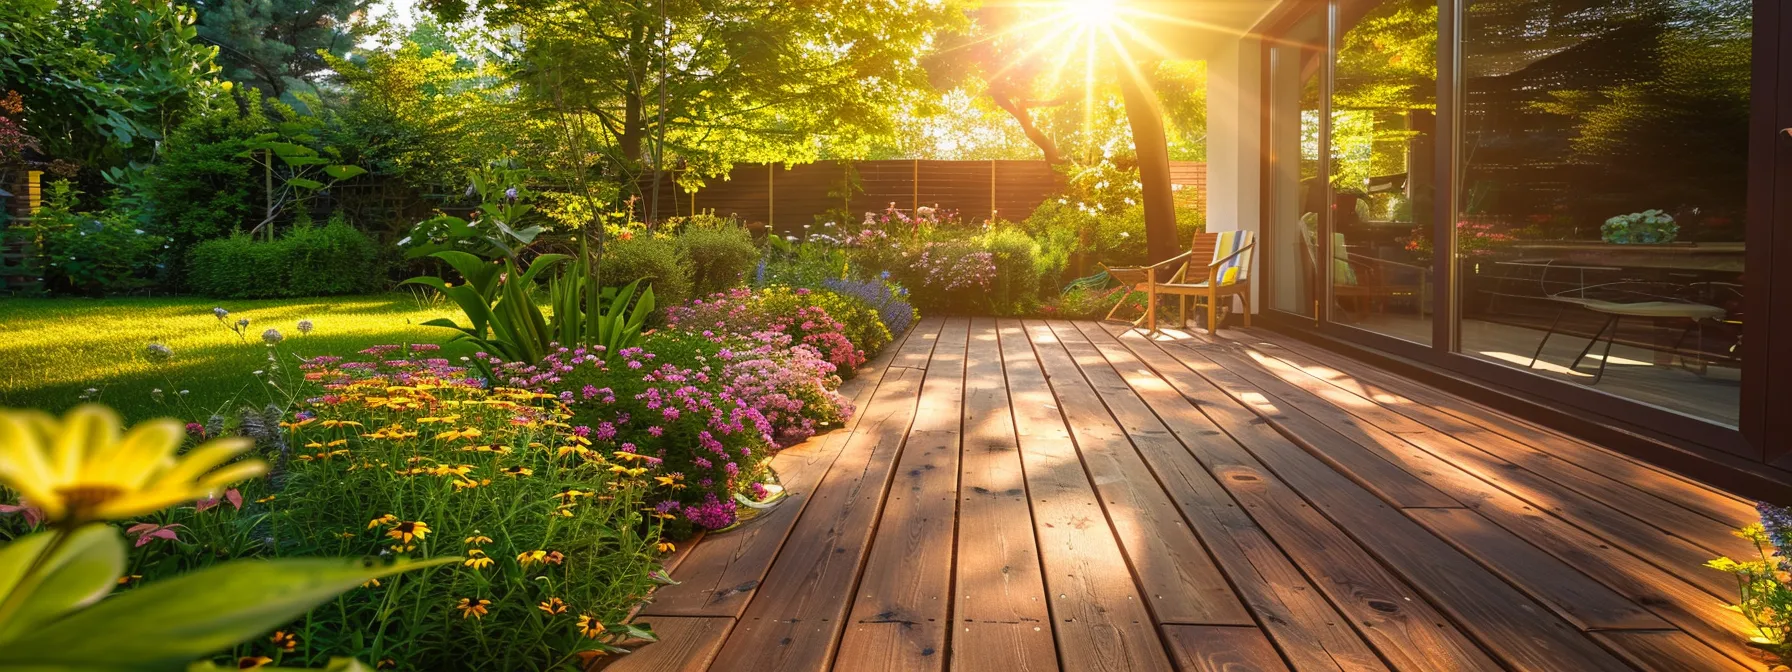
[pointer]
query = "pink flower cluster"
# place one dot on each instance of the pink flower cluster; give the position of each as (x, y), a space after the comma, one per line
(742, 311)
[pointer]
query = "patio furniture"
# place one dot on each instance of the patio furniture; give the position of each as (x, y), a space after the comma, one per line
(1367, 280)
(1615, 312)
(1227, 273)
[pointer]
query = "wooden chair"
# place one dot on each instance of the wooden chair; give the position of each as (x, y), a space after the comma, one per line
(1368, 283)
(1226, 273)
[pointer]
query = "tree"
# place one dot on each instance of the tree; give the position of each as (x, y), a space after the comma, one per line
(101, 81)
(274, 45)
(640, 87)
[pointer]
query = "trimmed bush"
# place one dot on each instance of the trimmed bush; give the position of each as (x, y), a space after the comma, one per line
(1015, 289)
(721, 255)
(307, 261)
(659, 261)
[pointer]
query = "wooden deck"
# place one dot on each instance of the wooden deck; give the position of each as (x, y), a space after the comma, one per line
(1021, 496)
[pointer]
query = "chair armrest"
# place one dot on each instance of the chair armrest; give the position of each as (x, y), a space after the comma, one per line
(1180, 257)
(1216, 263)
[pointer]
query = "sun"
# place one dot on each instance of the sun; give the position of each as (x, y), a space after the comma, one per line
(1092, 13)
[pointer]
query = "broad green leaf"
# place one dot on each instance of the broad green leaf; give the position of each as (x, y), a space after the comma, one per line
(168, 623)
(344, 172)
(293, 160)
(303, 183)
(83, 569)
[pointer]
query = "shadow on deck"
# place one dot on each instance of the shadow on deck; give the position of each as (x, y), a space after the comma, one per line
(1020, 496)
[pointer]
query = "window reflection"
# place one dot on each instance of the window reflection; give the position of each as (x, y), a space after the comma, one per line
(1600, 207)
(1383, 130)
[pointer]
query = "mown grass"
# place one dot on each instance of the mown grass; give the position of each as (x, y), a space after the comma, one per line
(53, 350)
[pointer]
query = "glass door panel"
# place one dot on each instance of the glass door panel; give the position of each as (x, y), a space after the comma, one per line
(1383, 149)
(1601, 194)
(1296, 197)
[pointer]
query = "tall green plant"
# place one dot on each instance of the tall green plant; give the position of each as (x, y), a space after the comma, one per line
(505, 320)
(582, 316)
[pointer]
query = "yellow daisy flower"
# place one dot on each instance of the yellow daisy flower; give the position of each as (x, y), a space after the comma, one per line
(477, 559)
(554, 606)
(470, 608)
(405, 531)
(667, 547)
(477, 540)
(590, 627)
(284, 640)
(252, 662)
(85, 468)
(517, 470)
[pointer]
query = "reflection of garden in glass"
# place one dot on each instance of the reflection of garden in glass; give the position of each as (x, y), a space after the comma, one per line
(1383, 121)
(1577, 114)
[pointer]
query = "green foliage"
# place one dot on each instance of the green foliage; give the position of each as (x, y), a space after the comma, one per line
(201, 187)
(499, 302)
(1764, 589)
(274, 45)
(93, 252)
(751, 85)
(102, 81)
(423, 115)
(292, 155)
(498, 228)
(721, 252)
(583, 315)
(1015, 287)
(859, 319)
(306, 261)
(52, 583)
(659, 261)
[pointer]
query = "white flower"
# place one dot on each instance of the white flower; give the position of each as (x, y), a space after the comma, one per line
(305, 327)
(272, 337)
(156, 352)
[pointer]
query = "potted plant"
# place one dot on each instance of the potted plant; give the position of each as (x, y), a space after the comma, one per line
(1646, 227)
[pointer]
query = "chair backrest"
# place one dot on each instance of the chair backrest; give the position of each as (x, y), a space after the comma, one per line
(1218, 245)
(1343, 273)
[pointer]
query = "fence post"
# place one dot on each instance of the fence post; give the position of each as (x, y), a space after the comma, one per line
(992, 191)
(771, 200)
(916, 183)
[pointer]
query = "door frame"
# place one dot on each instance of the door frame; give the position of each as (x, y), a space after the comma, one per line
(1768, 376)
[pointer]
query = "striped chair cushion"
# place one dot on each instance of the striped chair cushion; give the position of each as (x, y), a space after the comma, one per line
(1236, 269)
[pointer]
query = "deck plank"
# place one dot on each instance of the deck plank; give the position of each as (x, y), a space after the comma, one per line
(899, 616)
(717, 576)
(1408, 631)
(686, 644)
(1000, 621)
(1649, 506)
(1377, 423)
(1098, 617)
(1709, 501)
(1523, 633)
(1610, 562)
(1178, 578)
(1665, 651)
(1307, 628)
(1199, 648)
(793, 623)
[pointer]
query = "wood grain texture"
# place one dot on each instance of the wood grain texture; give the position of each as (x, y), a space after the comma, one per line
(686, 644)
(1308, 629)
(1200, 648)
(1436, 452)
(1665, 651)
(1584, 602)
(1000, 622)
(1179, 580)
(1100, 621)
(899, 615)
(794, 621)
(1711, 502)
(718, 575)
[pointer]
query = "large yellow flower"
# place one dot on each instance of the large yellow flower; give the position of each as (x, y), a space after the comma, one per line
(86, 468)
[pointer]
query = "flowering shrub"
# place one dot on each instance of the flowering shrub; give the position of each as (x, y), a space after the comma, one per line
(890, 300)
(1765, 584)
(950, 276)
(395, 454)
(800, 313)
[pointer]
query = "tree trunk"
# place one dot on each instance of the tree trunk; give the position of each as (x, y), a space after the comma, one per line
(1000, 95)
(1153, 149)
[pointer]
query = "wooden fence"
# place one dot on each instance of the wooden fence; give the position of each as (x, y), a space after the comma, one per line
(788, 198)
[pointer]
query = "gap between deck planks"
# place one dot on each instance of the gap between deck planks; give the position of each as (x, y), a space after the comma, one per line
(1521, 632)
(793, 622)
(898, 619)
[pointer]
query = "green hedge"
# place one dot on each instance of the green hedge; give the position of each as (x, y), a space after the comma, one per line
(307, 261)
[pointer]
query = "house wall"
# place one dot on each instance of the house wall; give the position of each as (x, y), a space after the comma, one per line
(1234, 142)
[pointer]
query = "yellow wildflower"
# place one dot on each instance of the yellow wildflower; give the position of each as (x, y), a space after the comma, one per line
(554, 606)
(517, 470)
(590, 627)
(252, 662)
(387, 519)
(477, 559)
(527, 558)
(284, 640)
(667, 547)
(85, 468)
(405, 531)
(477, 540)
(469, 608)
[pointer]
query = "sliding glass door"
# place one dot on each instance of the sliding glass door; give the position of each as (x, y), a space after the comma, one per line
(1566, 198)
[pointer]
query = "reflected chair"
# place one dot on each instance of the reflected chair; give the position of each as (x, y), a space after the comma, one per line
(1649, 301)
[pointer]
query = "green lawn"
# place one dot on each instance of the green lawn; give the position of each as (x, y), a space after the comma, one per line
(52, 350)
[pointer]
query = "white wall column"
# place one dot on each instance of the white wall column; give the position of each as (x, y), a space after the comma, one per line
(1234, 145)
